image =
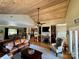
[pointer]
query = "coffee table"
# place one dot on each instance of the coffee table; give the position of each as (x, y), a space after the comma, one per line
(35, 55)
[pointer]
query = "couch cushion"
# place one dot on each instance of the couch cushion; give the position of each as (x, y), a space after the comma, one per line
(5, 57)
(9, 45)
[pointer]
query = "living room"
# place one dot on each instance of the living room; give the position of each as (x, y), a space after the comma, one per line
(38, 28)
(14, 40)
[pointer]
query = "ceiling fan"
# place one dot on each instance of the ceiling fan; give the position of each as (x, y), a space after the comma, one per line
(38, 20)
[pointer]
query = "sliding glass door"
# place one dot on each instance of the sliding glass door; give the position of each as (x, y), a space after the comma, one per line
(73, 43)
(78, 44)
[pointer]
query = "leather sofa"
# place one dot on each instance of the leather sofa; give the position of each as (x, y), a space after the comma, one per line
(14, 49)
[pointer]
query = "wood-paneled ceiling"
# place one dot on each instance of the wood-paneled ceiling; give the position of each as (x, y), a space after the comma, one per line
(49, 9)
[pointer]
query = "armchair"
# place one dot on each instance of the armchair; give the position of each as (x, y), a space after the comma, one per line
(57, 47)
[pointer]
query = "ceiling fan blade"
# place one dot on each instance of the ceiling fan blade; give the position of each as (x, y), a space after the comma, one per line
(43, 23)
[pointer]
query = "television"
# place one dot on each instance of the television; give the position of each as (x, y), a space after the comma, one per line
(12, 31)
(45, 29)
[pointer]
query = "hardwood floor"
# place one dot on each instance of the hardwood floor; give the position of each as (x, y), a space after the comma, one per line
(66, 56)
(46, 53)
(51, 55)
(41, 44)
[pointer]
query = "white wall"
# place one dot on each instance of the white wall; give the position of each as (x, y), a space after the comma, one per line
(16, 20)
(72, 13)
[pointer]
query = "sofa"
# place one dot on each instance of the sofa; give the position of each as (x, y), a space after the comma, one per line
(10, 49)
